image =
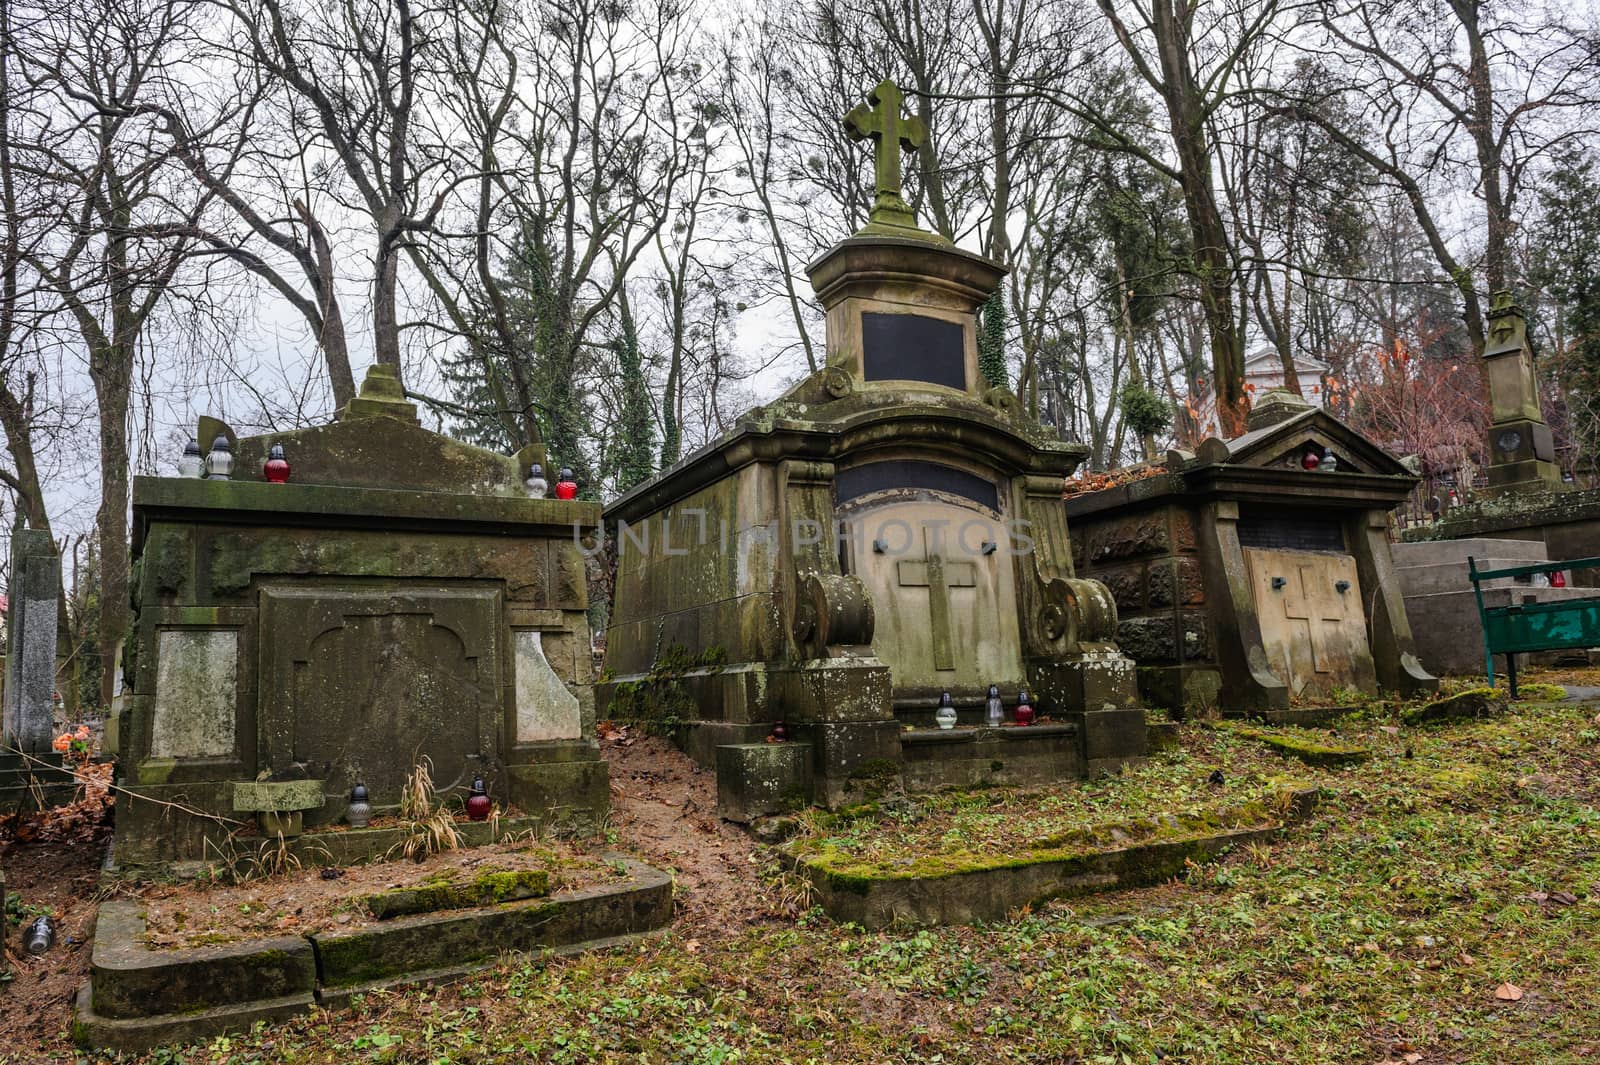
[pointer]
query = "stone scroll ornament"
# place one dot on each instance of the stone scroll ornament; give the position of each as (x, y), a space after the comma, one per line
(832, 611)
(1078, 615)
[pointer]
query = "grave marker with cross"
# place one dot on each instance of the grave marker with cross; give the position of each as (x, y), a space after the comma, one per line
(939, 576)
(890, 131)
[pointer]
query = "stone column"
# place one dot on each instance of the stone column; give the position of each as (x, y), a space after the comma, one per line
(1248, 682)
(1521, 449)
(29, 714)
(1394, 651)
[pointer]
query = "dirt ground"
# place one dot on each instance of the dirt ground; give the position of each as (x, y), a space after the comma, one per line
(663, 810)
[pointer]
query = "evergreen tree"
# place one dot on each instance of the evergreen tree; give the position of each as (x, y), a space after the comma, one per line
(1567, 265)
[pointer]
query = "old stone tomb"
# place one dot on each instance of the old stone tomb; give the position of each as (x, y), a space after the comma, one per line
(1258, 569)
(399, 600)
(888, 531)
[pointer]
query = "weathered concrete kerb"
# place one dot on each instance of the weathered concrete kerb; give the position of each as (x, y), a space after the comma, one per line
(996, 887)
(137, 998)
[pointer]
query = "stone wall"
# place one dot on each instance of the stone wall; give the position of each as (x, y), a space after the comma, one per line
(1150, 562)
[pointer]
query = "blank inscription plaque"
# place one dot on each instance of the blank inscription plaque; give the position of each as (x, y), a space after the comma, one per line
(913, 347)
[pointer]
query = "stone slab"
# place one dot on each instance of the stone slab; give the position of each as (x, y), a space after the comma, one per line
(440, 941)
(277, 796)
(991, 757)
(27, 720)
(760, 779)
(546, 709)
(994, 893)
(134, 1035)
(196, 699)
(1435, 552)
(131, 980)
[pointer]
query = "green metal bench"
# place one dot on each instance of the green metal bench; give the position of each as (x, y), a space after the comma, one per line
(1519, 628)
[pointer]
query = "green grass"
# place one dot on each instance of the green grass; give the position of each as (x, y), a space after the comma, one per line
(1383, 925)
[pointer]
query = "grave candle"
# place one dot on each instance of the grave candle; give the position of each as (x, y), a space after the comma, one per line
(566, 487)
(277, 467)
(219, 464)
(478, 804)
(189, 465)
(538, 487)
(946, 714)
(359, 812)
(1024, 711)
(995, 711)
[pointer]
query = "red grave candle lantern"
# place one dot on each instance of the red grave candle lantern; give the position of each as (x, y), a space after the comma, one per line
(478, 804)
(566, 487)
(277, 467)
(1023, 714)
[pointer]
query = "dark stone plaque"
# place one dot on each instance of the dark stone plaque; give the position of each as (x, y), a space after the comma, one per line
(907, 473)
(1291, 532)
(913, 347)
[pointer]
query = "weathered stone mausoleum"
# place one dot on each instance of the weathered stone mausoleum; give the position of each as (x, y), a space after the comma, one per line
(887, 531)
(400, 598)
(1259, 568)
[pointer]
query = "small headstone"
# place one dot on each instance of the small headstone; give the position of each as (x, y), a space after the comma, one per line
(29, 718)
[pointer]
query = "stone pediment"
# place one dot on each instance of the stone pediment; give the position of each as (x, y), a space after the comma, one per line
(376, 443)
(1284, 444)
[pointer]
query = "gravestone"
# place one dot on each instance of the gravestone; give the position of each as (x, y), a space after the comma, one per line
(887, 531)
(400, 599)
(1521, 450)
(1526, 497)
(29, 721)
(30, 770)
(1259, 568)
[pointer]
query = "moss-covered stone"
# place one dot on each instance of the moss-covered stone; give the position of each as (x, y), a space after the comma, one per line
(1309, 751)
(486, 889)
(1468, 705)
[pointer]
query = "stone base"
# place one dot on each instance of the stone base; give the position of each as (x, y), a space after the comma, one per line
(701, 740)
(1087, 682)
(852, 761)
(573, 795)
(991, 757)
(760, 779)
(26, 785)
(1182, 690)
(1112, 739)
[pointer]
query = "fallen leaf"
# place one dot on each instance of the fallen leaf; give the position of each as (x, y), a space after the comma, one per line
(693, 947)
(1412, 1058)
(1564, 898)
(1508, 993)
(1393, 730)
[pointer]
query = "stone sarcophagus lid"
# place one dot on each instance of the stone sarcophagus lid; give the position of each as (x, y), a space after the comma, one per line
(888, 531)
(1258, 569)
(399, 599)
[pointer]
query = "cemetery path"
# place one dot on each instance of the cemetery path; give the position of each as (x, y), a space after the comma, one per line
(664, 809)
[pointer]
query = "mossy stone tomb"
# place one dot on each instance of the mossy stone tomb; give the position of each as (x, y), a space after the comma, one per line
(399, 599)
(1258, 569)
(888, 530)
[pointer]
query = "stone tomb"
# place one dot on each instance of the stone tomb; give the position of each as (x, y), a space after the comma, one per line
(890, 529)
(400, 598)
(1243, 578)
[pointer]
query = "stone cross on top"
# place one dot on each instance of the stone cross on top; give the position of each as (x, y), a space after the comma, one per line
(891, 131)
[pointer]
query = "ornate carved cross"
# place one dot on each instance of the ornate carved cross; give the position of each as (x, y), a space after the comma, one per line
(890, 132)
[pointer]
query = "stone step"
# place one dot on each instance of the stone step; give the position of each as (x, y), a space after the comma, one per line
(1453, 576)
(1435, 552)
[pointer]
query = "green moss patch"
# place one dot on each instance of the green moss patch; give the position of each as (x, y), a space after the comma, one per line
(1298, 743)
(485, 889)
